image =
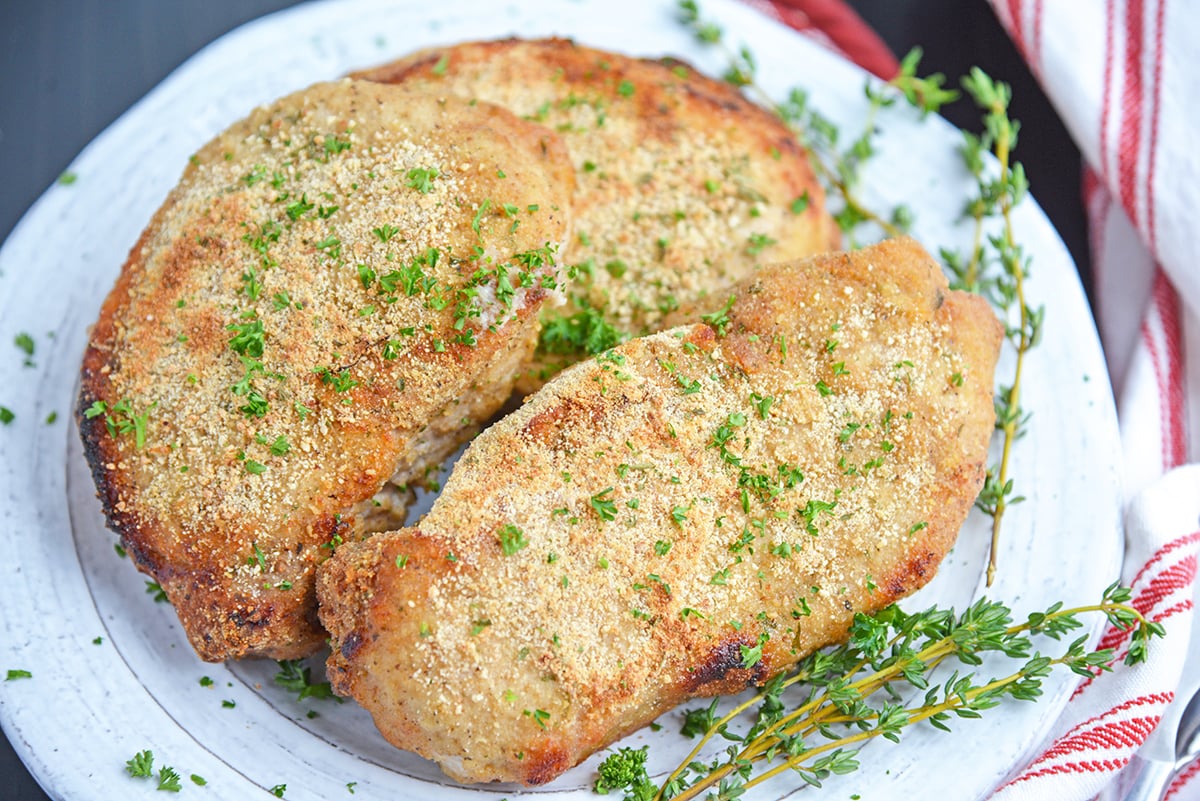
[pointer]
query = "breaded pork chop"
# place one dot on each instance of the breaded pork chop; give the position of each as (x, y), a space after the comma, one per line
(684, 186)
(332, 293)
(682, 515)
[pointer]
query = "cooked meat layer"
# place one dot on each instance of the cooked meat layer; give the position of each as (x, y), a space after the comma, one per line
(338, 288)
(684, 186)
(685, 514)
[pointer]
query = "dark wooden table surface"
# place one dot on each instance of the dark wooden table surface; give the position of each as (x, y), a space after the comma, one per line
(71, 67)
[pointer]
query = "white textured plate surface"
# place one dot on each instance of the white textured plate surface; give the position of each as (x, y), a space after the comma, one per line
(89, 707)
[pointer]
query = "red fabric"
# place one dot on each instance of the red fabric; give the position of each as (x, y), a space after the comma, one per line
(844, 28)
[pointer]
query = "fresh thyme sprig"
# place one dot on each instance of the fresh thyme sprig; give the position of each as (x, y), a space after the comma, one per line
(997, 265)
(841, 699)
(999, 192)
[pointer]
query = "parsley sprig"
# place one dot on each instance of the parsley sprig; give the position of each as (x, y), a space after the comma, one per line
(836, 701)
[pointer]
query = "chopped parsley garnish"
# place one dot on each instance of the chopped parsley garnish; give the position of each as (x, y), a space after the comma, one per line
(6, 415)
(247, 339)
(141, 766)
(809, 513)
(331, 245)
(719, 319)
(255, 468)
(385, 232)
(540, 716)
(421, 179)
(625, 767)
(335, 145)
(341, 381)
(257, 173)
(155, 589)
(752, 656)
(168, 780)
(585, 332)
(67, 178)
(512, 539)
(438, 69)
(120, 419)
(757, 243)
(625, 89)
(762, 404)
(278, 790)
(13, 675)
(298, 209)
(604, 507)
(483, 209)
(294, 677)
(25, 344)
(800, 204)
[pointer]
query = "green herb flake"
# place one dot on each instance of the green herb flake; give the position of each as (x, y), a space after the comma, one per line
(604, 506)
(141, 766)
(385, 232)
(296, 677)
(25, 344)
(421, 179)
(540, 716)
(719, 319)
(169, 780)
(512, 539)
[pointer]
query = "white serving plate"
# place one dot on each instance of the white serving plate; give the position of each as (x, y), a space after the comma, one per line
(89, 708)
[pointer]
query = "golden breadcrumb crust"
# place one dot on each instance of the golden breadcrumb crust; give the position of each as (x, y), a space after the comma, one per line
(333, 279)
(684, 186)
(685, 514)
